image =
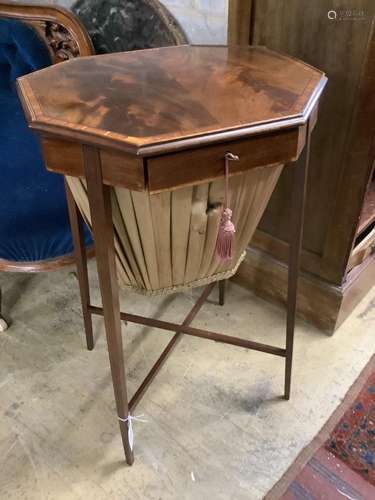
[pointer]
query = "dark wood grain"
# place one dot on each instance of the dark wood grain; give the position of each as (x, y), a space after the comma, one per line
(222, 290)
(119, 168)
(296, 234)
(342, 149)
(368, 209)
(76, 224)
(206, 163)
(364, 249)
(268, 278)
(198, 332)
(178, 169)
(239, 21)
(101, 216)
(168, 107)
(138, 100)
(340, 146)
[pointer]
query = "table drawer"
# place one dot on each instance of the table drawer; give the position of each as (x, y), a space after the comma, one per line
(119, 168)
(207, 163)
(184, 168)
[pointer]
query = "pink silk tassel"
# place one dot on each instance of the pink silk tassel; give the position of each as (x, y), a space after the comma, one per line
(225, 237)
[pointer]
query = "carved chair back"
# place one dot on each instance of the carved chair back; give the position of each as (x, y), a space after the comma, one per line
(63, 33)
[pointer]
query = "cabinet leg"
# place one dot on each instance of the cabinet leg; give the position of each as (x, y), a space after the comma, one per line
(297, 216)
(101, 216)
(76, 224)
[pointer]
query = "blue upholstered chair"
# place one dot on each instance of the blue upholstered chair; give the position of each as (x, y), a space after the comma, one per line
(35, 233)
(34, 225)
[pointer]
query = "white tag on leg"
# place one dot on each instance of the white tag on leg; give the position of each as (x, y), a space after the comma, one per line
(129, 419)
(130, 434)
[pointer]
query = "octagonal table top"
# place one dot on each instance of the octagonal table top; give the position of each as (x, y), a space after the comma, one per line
(163, 99)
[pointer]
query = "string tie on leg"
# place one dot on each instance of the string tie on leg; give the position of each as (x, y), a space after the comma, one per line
(129, 419)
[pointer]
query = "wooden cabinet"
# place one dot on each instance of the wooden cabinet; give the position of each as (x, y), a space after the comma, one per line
(338, 260)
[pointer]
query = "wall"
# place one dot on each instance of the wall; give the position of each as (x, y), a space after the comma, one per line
(204, 21)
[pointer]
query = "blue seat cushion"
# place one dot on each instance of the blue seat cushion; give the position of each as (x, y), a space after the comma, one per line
(34, 223)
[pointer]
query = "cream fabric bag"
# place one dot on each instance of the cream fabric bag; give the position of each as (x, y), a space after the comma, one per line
(165, 242)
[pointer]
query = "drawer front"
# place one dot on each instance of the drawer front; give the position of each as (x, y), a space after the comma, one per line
(207, 163)
(119, 169)
(363, 250)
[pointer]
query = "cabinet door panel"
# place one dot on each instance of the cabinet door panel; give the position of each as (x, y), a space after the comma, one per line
(340, 48)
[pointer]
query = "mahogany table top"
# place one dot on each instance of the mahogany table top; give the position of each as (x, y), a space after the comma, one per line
(157, 100)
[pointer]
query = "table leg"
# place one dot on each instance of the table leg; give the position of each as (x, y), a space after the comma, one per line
(297, 216)
(76, 224)
(101, 216)
(3, 323)
(222, 286)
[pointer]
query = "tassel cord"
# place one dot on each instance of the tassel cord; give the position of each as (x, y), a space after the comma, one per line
(228, 157)
(225, 237)
(226, 189)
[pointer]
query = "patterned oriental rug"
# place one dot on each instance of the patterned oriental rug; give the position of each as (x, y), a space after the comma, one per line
(353, 439)
(340, 462)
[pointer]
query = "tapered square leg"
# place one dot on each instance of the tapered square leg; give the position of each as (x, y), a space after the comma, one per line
(76, 224)
(222, 287)
(101, 216)
(297, 216)
(3, 323)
